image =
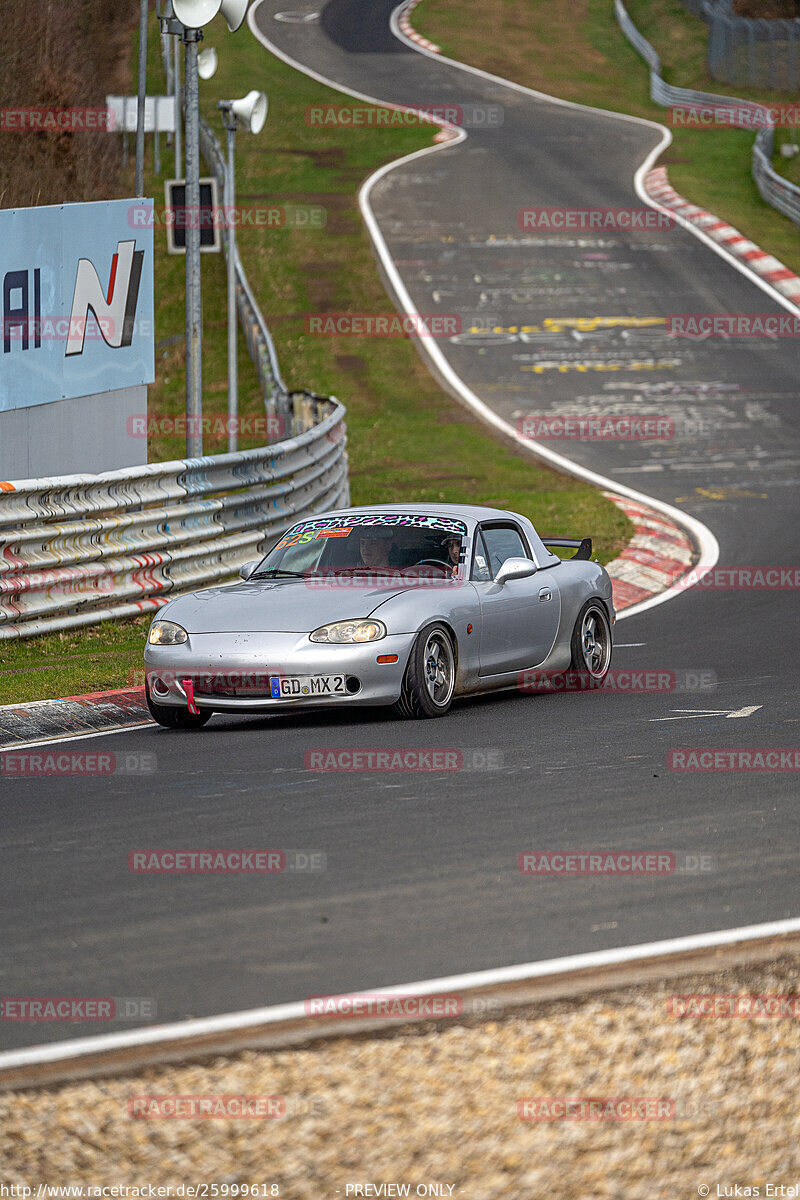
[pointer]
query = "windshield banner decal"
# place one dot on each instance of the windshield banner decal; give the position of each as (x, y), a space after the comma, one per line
(330, 526)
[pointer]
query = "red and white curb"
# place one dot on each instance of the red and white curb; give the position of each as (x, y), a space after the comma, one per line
(43, 721)
(411, 33)
(659, 188)
(657, 556)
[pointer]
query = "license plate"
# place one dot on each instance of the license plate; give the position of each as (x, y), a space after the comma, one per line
(296, 687)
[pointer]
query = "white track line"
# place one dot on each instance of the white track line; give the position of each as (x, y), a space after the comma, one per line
(701, 534)
(58, 739)
(256, 1017)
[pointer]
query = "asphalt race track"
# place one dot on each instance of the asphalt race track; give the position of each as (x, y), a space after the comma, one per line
(421, 875)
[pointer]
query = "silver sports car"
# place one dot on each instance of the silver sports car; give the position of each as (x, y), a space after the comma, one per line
(407, 605)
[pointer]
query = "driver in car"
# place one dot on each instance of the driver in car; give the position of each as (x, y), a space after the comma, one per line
(375, 543)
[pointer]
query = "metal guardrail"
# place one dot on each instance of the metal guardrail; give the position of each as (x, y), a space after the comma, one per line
(637, 40)
(773, 188)
(81, 549)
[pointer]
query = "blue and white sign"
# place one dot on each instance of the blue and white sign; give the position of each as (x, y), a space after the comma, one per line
(77, 301)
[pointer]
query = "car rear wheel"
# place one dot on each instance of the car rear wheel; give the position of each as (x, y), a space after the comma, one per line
(591, 641)
(175, 718)
(430, 675)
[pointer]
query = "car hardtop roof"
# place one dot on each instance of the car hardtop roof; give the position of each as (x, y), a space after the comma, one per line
(476, 512)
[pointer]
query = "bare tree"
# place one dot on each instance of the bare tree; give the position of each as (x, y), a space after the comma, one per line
(62, 55)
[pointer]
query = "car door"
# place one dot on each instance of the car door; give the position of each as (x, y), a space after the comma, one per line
(519, 618)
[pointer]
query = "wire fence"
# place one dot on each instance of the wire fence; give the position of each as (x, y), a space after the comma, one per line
(752, 52)
(773, 188)
(277, 399)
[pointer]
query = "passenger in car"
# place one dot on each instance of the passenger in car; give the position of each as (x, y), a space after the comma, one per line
(452, 548)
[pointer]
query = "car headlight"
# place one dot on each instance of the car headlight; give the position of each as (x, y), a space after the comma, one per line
(349, 631)
(166, 633)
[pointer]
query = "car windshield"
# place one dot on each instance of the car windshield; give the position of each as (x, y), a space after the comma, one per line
(380, 544)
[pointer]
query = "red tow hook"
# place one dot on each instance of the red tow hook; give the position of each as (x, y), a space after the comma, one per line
(188, 687)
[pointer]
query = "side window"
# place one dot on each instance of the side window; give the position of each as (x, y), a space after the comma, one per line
(502, 542)
(480, 560)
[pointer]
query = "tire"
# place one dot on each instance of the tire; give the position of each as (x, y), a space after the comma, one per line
(175, 718)
(591, 641)
(428, 688)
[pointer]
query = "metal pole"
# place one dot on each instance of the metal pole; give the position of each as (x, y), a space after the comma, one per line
(194, 372)
(167, 63)
(178, 113)
(233, 381)
(140, 97)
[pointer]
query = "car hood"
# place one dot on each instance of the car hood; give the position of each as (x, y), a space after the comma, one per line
(273, 606)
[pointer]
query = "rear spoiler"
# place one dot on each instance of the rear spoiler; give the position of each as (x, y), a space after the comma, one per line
(584, 545)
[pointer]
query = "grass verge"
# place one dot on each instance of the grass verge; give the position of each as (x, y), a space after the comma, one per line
(408, 441)
(574, 49)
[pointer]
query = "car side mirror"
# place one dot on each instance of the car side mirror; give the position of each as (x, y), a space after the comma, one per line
(247, 570)
(515, 568)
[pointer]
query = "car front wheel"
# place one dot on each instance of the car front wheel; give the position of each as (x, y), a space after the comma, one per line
(430, 676)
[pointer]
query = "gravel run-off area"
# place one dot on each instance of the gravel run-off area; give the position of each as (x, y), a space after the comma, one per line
(435, 1109)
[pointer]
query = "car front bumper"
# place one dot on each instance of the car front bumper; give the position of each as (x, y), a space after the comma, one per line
(230, 672)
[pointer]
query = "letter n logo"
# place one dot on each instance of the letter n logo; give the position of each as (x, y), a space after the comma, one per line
(114, 312)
